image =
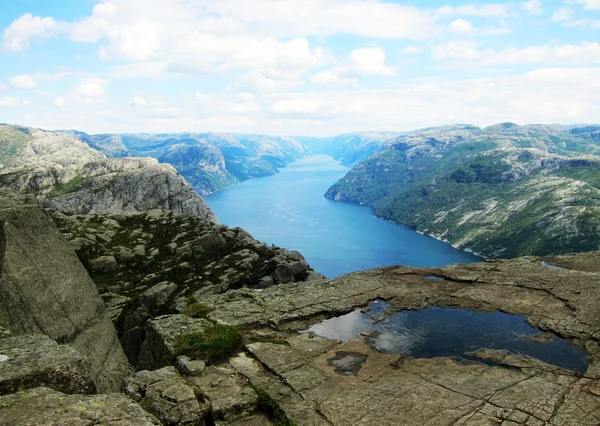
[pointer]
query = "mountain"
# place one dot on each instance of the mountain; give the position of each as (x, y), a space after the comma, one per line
(352, 148)
(109, 144)
(73, 178)
(501, 191)
(214, 161)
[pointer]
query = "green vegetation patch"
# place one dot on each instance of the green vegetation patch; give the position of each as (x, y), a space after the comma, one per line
(196, 309)
(270, 408)
(71, 186)
(214, 343)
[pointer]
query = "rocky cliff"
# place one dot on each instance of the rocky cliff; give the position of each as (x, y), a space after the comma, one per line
(70, 176)
(44, 289)
(220, 326)
(149, 264)
(502, 191)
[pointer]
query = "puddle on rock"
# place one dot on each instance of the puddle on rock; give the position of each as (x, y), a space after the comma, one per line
(434, 278)
(551, 266)
(437, 332)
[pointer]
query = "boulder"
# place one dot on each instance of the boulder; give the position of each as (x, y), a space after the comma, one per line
(30, 361)
(165, 394)
(283, 274)
(104, 264)
(159, 348)
(47, 407)
(44, 289)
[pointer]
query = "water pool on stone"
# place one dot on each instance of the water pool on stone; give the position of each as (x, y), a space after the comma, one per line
(437, 332)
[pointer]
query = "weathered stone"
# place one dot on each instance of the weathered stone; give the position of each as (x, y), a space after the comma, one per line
(159, 348)
(190, 367)
(283, 274)
(166, 395)
(230, 394)
(104, 264)
(44, 406)
(388, 389)
(35, 360)
(45, 289)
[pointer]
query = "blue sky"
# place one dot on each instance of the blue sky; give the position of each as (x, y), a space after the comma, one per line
(297, 67)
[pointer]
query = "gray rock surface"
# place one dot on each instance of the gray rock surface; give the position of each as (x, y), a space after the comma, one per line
(156, 263)
(47, 407)
(70, 176)
(320, 381)
(44, 289)
(130, 184)
(159, 348)
(165, 394)
(35, 360)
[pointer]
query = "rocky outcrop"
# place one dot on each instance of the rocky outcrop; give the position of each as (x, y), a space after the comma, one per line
(320, 381)
(44, 289)
(160, 348)
(71, 177)
(44, 406)
(129, 184)
(165, 394)
(35, 360)
(150, 264)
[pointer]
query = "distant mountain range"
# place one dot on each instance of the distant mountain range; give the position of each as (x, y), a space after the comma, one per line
(500, 191)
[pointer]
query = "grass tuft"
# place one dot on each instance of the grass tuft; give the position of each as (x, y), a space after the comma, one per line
(214, 343)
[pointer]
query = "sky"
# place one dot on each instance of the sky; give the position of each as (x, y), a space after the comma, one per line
(296, 67)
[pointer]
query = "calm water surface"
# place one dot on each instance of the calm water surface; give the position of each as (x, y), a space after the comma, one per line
(435, 332)
(289, 210)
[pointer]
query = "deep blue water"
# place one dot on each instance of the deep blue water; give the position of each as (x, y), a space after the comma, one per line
(289, 210)
(435, 332)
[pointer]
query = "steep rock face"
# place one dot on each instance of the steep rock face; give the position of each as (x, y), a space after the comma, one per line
(34, 360)
(130, 184)
(45, 289)
(150, 264)
(70, 176)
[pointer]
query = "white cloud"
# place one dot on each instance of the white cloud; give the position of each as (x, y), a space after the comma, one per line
(533, 7)
(366, 61)
(413, 50)
(370, 61)
(296, 106)
(22, 82)
(461, 26)
(8, 101)
(564, 54)
(333, 78)
(455, 49)
(264, 82)
(59, 102)
(590, 4)
(246, 97)
(484, 10)
(17, 37)
(563, 15)
(91, 88)
(138, 102)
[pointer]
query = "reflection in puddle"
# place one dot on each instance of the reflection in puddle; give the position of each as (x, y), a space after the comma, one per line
(435, 332)
(551, 266)
(434, 278)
